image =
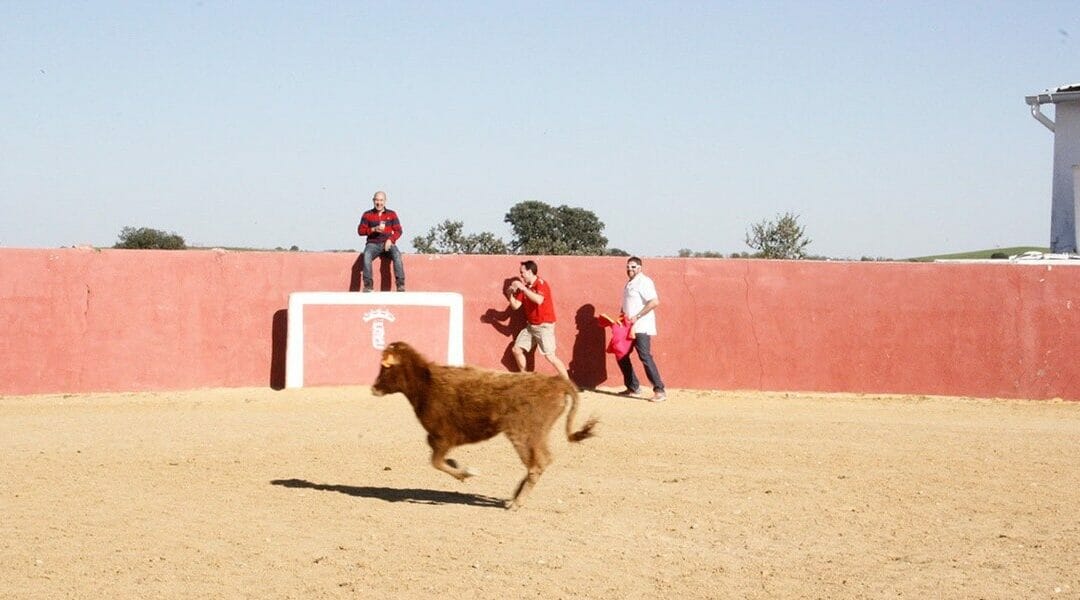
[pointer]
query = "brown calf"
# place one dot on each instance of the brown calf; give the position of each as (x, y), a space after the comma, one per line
(462, 405)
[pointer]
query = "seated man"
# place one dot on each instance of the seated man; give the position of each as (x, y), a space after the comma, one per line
(383, 229)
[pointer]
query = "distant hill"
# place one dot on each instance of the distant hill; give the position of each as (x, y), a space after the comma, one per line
(975, 254)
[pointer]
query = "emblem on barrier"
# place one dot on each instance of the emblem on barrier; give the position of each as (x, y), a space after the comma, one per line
(378, 328)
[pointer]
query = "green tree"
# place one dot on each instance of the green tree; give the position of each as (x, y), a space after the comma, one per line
(542, 229)
(783, 238)
(688, 253)
(448, 237)
(145, 238)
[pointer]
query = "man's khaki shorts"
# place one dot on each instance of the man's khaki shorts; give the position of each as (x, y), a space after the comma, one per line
(544, 334)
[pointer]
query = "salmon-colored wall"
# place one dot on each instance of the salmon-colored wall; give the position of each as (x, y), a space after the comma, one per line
(76, 320)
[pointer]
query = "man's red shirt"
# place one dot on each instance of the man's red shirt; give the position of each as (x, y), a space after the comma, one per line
(535, 313)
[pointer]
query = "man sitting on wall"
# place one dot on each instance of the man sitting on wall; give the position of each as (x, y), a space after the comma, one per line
(383, 229)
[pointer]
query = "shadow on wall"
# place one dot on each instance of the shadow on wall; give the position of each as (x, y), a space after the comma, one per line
(384, 282)
(278, 336)
(588, 363)
(508, 323)
(356, 282)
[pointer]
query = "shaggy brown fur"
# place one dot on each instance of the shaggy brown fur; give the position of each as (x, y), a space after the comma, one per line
(463, 405)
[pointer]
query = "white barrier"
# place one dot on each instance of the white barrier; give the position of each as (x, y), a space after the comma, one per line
(294, 345)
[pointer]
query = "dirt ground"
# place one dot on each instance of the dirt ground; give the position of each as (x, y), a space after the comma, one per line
(327, 493)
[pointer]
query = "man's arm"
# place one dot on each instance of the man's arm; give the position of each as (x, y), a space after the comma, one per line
(538, 293)
(648, 308)
(364, 228)
(537, 298)
(517, 287)
(391, 226)
(511, 294)
(395, 227)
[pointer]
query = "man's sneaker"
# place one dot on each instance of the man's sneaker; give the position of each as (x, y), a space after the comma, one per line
(401, 288)
(658, 397)
(629, 393)
(367, 290)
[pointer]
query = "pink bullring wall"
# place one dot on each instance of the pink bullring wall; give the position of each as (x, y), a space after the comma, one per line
(81, 320)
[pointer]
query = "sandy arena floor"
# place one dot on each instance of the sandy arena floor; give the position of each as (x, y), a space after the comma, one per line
(327, 493)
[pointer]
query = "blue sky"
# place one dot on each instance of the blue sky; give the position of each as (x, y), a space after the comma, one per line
(892, 129)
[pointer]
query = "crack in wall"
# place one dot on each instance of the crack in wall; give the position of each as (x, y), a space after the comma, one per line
(85, 320)
(753, 324)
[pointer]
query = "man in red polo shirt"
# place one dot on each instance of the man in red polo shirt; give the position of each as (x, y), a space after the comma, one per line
(535, 295)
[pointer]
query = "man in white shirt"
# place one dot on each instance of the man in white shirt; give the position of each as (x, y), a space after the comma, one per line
(639, 304)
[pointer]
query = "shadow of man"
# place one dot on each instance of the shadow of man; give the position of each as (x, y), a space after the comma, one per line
(384, 262)
(278, 333)
(588, 364)
(356, 282)
(514, 322)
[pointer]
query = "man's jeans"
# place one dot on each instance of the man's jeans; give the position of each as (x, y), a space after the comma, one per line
(643, 345)
(373, 250)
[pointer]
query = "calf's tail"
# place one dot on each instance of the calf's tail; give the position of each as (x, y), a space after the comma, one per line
(586, 430)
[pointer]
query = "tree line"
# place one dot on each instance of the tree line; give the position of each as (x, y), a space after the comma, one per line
(540, 229)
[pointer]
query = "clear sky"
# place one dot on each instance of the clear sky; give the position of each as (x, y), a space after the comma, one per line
(893, 129)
